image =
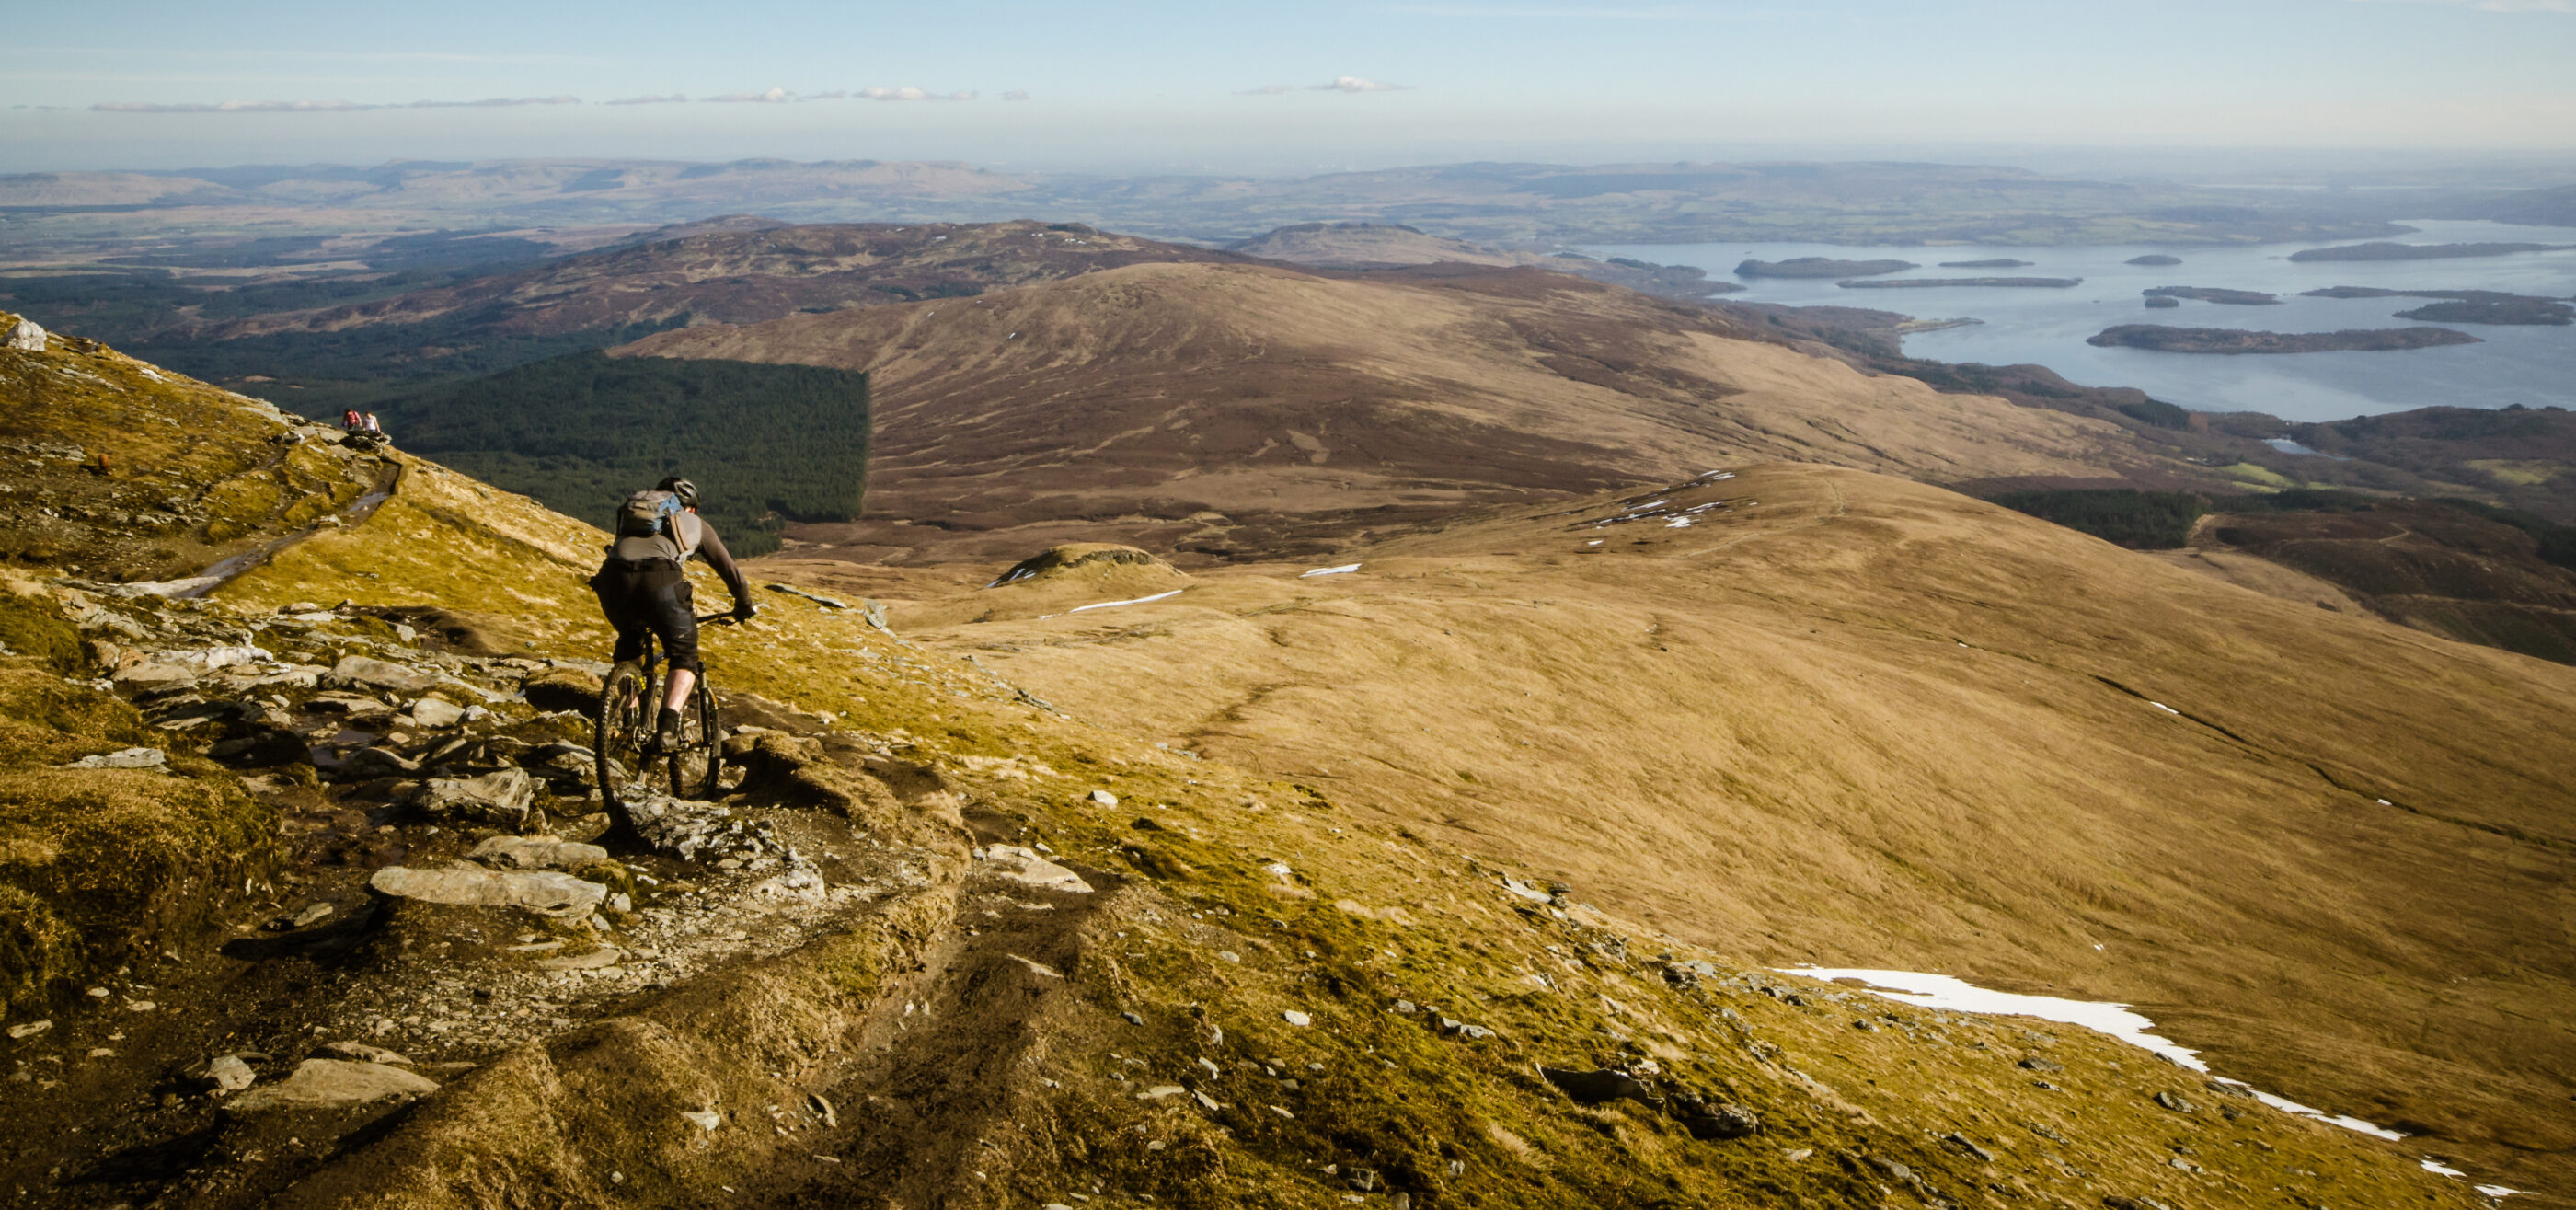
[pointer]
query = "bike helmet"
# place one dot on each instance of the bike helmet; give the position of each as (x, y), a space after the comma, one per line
(685, 490)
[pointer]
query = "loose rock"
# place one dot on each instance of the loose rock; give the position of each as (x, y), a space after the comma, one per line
(433, 712)
(1026, 866)
(536, 852)
(501, 797)
(384, 674)
(227, 1073)
(1714, 1119)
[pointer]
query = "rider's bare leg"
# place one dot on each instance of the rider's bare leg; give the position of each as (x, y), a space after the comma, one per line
(682, 681)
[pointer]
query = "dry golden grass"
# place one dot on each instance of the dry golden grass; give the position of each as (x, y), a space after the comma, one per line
(1870, 723)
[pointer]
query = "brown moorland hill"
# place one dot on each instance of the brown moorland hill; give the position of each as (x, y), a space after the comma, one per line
(1206, 409)
(1843, 719)
(744, 272)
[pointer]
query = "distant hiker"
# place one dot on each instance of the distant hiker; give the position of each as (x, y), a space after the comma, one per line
(373, 427)
(350, 423)
(643, 587)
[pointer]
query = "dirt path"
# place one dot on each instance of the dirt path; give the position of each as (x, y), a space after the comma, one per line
(389, 478)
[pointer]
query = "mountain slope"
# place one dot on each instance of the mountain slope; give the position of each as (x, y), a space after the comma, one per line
(1264, 990)
(1212, 408)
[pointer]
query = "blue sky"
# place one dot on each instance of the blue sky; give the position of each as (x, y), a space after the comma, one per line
(1250, 86)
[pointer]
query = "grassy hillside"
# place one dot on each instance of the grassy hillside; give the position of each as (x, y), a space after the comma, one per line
(765, 444)
(1316, 955)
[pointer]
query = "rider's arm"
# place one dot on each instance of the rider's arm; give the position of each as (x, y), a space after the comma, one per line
(712, 549)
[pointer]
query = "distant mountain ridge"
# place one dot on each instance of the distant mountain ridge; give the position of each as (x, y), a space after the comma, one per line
(1364, 246)
(1494, 203)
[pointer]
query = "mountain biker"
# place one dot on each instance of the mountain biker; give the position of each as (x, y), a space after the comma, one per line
(642, 588)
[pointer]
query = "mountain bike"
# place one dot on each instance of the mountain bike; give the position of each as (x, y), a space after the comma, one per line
(624, 722)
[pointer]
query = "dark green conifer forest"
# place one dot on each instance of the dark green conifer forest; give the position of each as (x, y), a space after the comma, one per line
(766, 444)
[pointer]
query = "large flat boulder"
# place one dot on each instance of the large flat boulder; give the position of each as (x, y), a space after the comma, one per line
(384, 674)
(333, 1084)
(544, 892)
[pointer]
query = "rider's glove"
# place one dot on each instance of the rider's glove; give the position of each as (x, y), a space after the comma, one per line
(742, 611)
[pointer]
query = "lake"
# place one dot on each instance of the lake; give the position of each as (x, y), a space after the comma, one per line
(2534, 366)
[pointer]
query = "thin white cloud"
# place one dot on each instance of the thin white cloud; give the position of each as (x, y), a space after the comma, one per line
(231, 107)
(1356, 84)
(836, 94)
(650, 99)
(490, 103)
(1336, 84)
(1016, 94)
(317, 106)
(774, 96)
(909, 93)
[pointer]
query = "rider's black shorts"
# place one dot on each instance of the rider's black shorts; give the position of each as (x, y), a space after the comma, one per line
(654, 597)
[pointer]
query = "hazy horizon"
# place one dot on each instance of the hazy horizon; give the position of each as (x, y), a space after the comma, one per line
(1156, 87)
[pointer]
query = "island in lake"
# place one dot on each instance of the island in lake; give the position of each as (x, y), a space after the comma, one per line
(2000, 263)
(2382, 250)
(2160, 302)
(1822, 266)
(2212, 294)
(2162, 339)
(2465, 306)
(1914, 283)
(2155, 258)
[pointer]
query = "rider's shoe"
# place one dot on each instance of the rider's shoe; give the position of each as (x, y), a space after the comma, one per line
(666, 735)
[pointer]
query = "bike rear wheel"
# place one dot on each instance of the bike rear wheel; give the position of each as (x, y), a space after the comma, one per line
(619, 730)
(696, 763)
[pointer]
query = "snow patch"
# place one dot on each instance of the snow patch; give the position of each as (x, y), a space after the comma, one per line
(1138, 601)
(1957, 995)
(1343, 570)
